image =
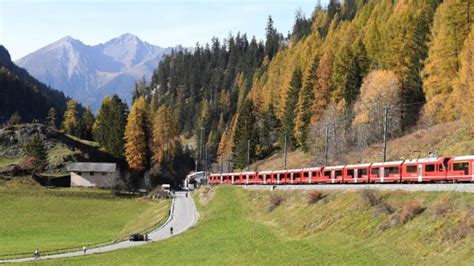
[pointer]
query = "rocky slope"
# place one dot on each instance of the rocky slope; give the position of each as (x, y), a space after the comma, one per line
(61, 148)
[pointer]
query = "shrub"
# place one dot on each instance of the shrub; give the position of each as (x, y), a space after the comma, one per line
(315, 196)
(390, 222)
(410, 210)
(441, 208)
(370, 198)
(275, 201)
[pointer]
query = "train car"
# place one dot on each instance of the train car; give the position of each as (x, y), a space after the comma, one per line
(294, 176)
(214, 179)
(279, 176)
(267, 177)
(333, 174)
(425, 170)
(248, 178)
(312, 175)
(356, 173)
(461, 168)
(387, 172)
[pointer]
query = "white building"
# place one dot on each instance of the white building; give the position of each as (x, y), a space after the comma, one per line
(100, 175)
(195, 180)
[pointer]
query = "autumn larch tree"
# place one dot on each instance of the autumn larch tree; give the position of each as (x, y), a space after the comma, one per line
(164, 135)
(71, 119)
(136, 139)
(381, 88)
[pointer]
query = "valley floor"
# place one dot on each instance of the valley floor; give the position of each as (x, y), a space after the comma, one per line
(52, 219)
(246, 227)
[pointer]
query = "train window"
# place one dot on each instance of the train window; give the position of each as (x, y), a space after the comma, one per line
(391, 171)
(306, 174)
(430, 168)
(411, 169)
(464, 166)
(350, 173)
(338, 173)
(327, 173)
(362, 172)
(375, 171)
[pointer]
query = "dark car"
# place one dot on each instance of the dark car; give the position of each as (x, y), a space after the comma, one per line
(137, 237)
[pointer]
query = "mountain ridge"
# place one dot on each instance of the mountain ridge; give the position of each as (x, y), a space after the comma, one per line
(88, 73)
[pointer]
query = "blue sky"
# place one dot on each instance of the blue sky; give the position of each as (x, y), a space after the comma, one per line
(27, 25)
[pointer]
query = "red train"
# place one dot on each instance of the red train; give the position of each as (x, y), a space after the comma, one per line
(455, 169)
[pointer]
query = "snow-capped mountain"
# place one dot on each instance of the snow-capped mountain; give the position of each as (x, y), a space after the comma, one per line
(89, 73)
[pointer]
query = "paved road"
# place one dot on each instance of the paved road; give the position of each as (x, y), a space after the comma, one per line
(458, 187)
(183, 216)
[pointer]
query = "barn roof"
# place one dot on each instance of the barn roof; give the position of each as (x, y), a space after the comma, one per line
(92, 167)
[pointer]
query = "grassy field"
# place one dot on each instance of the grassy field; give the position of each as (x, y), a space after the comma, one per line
(33, 217)
(4, 161)
(237, 227)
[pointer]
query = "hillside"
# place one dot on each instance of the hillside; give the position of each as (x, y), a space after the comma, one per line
(61, 148)
(20, 92)
(88, 73)
(241, 227)
(448, 139)
(344, 69)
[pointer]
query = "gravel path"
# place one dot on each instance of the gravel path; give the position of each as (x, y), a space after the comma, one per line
(458, 187)
(183, 215)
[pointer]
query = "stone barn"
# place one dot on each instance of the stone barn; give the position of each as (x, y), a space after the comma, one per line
(96, 175)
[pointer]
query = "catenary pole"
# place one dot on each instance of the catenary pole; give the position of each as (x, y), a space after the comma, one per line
(385, 122)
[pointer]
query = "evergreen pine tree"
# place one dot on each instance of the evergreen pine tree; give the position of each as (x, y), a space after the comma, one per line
(109, 125)
(52, 117)
(245, 131)
(305, 102)
(289, 115)
(14, 119)
(86, 124)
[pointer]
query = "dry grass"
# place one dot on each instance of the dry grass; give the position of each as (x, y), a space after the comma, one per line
(274, 202)
(441, 208)
(206, 194)
(315, 196)
(464, 228)
(410, 210)
(295, 159)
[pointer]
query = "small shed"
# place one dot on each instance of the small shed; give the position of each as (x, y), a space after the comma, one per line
(88, 174)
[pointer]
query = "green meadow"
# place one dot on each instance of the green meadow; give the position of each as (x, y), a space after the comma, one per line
(50, 219)
(240, 227)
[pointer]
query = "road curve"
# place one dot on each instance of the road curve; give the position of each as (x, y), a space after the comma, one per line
(457, 187)
(183, 216)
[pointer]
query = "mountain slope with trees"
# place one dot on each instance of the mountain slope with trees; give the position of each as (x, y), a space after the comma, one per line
(336, 72)
(24, 97)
